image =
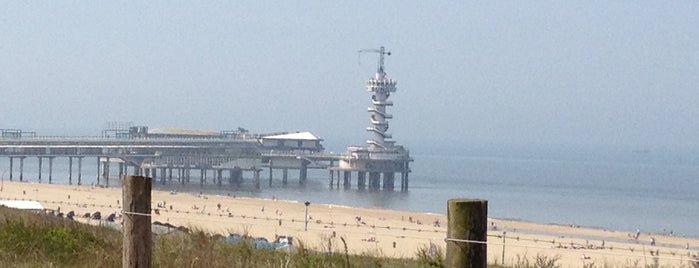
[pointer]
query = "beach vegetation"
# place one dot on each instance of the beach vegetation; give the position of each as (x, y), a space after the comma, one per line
(34, 240)
(540, 261)
(589, 265)
(42, 240)
(431, 256)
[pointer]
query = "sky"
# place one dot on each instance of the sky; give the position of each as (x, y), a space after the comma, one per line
(590, 73)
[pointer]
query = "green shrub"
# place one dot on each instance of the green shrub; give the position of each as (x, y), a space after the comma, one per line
(58, 244)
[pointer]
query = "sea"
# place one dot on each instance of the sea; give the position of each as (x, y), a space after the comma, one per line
(622, 189)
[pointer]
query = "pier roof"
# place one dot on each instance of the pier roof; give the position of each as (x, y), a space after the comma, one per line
(294, 136)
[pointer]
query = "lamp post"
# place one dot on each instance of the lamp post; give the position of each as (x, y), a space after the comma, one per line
(305, 227)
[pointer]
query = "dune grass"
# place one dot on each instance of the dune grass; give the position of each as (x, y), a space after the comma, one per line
(40, 240)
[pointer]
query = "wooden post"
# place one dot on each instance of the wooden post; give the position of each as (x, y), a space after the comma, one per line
(138, 245)
(467, 220)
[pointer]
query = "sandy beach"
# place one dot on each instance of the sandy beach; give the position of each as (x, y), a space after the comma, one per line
(371, 231)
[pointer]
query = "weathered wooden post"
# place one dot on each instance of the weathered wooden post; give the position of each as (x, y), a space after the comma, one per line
(467, 233)
(138, 245)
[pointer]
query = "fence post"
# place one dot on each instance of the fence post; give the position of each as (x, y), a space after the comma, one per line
(467, 220)
(137, 244)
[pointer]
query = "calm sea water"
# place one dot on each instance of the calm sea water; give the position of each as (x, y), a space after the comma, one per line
(620, 190)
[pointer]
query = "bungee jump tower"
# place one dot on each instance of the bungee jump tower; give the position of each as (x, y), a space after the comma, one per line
(381, 157)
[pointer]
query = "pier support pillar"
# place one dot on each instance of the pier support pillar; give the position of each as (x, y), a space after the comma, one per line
(203, 178)
(80, 170)
(270, 173)
(99, 165)
(169, 174)
(40, 164)
(220, 177)
(70, 170)
(163, 175)
(361, 179)
(105, 172)
(388, 181)
(257, 178)
(303, 173)
(347, 177)
(21, 168)
(236, 176)
(374, 180)
(338, 178)
(11, 164)
(285, 175)
(330, 176)
(404, 177)
(233, 180)
(50, 170)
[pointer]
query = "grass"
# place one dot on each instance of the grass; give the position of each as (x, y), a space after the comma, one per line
(39, 240)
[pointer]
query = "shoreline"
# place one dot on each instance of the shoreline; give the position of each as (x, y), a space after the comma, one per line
(441, 208)
(387, 232)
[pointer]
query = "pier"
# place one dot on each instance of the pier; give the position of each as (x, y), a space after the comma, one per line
(227, 157)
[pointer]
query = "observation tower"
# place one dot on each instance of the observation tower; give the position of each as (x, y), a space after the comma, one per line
(381, 156)
(381, 88)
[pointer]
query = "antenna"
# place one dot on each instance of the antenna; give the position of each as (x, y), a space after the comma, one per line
(381, 51)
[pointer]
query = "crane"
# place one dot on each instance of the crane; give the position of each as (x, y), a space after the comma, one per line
(381, 51)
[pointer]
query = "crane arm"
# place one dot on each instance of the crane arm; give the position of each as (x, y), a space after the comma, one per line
(381, 51)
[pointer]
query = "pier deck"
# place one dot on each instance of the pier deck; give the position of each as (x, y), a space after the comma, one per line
(173, 159)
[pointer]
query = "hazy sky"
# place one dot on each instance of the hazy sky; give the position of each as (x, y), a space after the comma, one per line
(515, 72)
